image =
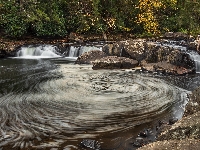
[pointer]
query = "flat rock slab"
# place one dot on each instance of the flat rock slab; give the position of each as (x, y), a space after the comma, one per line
(114, 62)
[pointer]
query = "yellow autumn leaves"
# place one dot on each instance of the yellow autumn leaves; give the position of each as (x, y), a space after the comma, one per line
(147, 16)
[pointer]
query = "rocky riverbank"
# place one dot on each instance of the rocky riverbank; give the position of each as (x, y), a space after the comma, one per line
(184, 134)
(155, 57)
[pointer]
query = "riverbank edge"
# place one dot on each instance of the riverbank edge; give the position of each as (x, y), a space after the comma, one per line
(184, 134)
(9, 45)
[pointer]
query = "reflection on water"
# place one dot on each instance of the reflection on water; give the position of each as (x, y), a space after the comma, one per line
(55, 105)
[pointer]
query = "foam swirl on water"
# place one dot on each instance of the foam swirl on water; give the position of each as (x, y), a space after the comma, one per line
(50, 107)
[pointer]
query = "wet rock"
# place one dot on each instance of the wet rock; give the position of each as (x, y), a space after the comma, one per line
(169, 35)
(92, 144)
(139, 142)
(192, 45)
(152, 52)
(144, 137)
(114, 62)
(3, 54)
(184, 134)
(180, 36)
(89, 57)
(134, 49)
(172, 121)
(166, 68)
(158, 53)
(193, 105)
(107, 48)
(179, 58)
(145, 133)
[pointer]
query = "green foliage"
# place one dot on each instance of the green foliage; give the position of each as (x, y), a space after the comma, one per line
(189, 18)
(12, 21)
(49, 28)
(15, 26)
(57, 18)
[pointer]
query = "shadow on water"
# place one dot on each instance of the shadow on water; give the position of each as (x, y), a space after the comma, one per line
(17, 75)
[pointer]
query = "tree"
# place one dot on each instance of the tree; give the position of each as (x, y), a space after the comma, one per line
(189, 18)
(150, 12)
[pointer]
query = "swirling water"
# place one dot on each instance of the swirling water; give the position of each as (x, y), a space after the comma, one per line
(51, 104)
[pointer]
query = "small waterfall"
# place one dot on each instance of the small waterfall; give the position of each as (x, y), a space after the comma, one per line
(73, 52)
(76, 51)
(196, 57)
(84, 49)
(41, 51)
(193, 54)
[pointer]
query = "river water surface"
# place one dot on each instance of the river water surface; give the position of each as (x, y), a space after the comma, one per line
(54, 104)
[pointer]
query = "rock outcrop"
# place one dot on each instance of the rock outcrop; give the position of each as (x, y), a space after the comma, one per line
(166, 68)
(89, 57)
(114, 62)
(136, 49)
(184, 134)
(157, 53)
(152, 52)
(193, 105)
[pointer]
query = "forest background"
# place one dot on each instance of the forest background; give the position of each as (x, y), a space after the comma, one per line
(57, 18)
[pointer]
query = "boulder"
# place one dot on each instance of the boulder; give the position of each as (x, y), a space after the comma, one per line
(193, 105)
(107, 48)
(180, 58)
(193, 45)
(158, 53)
(115, 49)
(152, 52)
(114, 62)
(136, 49)
(88, 57)
(166, 68)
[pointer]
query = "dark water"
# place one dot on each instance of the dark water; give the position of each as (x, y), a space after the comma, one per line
(54, 104)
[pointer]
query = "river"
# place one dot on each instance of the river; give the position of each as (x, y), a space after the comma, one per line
(51, 103)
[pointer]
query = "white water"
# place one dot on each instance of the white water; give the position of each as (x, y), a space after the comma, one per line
(196, 57)
(193, 54)
(76, 51)
(43, 108)
(41, 51)
(50, 51)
